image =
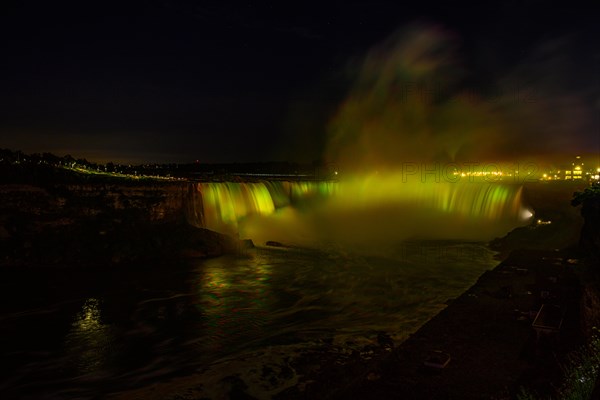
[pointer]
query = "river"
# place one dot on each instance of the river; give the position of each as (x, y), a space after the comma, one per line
(123, 329)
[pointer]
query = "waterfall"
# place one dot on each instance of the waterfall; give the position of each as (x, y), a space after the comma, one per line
(376, 202)
(220, 206)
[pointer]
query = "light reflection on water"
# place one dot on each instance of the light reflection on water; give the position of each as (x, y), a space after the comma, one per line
(287, 295)
(89, 341)
(234, 296)
(147, 325)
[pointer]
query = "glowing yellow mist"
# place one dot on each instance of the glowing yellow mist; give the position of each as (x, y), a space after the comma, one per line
(359, 211)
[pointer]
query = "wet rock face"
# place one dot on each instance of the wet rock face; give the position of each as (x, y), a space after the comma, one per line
(99, 224)
(163, 203)
(155, 202)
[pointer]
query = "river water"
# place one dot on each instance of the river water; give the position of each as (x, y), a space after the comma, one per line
(121, 329)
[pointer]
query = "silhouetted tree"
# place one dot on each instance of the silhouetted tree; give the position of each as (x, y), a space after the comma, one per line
(589, 200)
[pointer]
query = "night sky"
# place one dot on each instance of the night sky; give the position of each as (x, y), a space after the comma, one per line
(167, 81)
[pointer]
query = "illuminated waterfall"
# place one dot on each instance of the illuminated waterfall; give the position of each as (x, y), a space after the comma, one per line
(221, 206)
(474, 200)
(365, 208)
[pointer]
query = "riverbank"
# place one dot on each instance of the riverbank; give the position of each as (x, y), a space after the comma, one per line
(488, 334)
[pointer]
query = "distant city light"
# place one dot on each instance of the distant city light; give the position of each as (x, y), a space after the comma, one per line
(578, 171)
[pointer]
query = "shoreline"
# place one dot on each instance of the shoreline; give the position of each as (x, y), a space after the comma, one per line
(487, 333)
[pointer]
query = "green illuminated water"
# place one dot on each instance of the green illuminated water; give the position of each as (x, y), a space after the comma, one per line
(358, 210)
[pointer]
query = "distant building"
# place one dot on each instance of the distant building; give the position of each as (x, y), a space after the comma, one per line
(574, 171)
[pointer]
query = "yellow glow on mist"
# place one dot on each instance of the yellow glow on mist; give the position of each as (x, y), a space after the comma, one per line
(370, 207)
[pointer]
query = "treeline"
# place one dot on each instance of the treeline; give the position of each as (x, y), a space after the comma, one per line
(43, 169)
(8, 156)
(317, 169)
(18, 158)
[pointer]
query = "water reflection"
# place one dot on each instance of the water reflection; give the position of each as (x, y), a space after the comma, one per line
(234, 299)
(278, 295)
(89, 341)
(271, 303)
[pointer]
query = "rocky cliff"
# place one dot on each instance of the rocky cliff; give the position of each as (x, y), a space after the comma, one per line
(99, 223)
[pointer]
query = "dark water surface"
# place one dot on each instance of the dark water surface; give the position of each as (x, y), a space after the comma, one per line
(75, 334)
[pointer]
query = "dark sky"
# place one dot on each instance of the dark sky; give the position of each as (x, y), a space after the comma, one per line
(168, 81)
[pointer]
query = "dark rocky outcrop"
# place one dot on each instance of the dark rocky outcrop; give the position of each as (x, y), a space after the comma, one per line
(550, 203)
(100, 224)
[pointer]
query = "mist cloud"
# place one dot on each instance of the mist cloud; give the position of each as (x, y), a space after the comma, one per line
(411, 101)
